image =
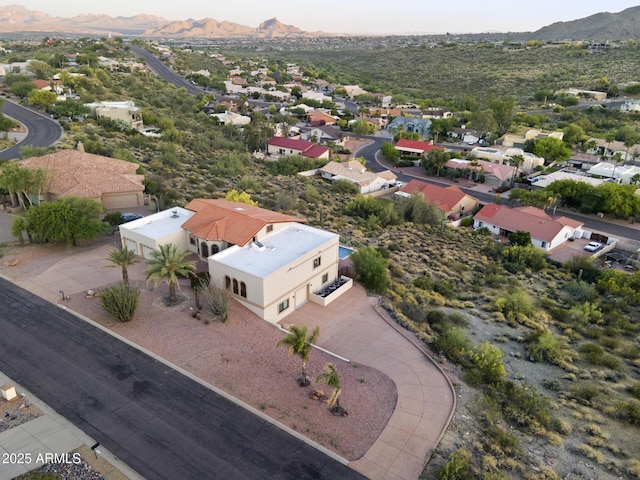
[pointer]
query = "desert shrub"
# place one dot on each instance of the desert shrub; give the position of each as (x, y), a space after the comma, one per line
(415, 312)
(216, 300)
(591, 453)
(585, 393)
(629, 412)
(487, 366)
(466, 222)
(444, 288)
(507, 442)
(552, 384)
(114, 219)
(369, 207)
(458, 467)
(634, 389)
(454, 344)
(423, 282)
(120, 301)
(525, 256)
(293, 164)
(594, 355)
(371, 269)
(544, 346)
(580, 291)
(586, 313)
(515, 304)
(345, 186)
(521, 404)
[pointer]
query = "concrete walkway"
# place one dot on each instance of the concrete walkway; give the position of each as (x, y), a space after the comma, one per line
(49, 433)
(353, 328)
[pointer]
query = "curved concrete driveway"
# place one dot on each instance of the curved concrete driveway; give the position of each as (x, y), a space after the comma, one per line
(41, 130)
(353, 327)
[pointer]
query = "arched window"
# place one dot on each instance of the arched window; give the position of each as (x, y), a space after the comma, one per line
(204, 250)
(235, 286)
(227, 282)
(214, 249)
(243, 290)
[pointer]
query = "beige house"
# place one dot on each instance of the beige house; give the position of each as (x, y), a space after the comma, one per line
(270, 262)
(451, 201)
(353, 171)
(125, 111)
(112, 182)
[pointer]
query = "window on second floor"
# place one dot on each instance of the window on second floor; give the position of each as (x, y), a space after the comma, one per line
(316, 262)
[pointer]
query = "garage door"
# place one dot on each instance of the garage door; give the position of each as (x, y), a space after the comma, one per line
(121, 200)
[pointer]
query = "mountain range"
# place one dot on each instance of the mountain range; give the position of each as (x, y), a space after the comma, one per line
(623, 25)
(18, 19)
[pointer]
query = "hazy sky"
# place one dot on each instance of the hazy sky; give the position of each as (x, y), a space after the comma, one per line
(354, 16)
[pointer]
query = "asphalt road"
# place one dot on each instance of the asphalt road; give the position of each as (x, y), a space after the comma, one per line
(155, 64)
(158, 421)
(42, 130)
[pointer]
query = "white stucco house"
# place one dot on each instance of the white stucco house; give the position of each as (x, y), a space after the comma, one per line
(270, 262)
(547, 232)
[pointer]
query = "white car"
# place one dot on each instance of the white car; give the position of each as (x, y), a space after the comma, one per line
(593, 246)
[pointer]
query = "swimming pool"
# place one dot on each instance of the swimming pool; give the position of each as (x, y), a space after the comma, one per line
(344, 252)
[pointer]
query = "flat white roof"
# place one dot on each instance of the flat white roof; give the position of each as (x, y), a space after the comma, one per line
(279, 249)
(606, 169)
(160, 224)
(543, 181)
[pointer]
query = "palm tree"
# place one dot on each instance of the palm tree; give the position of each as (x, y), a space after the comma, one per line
(123, 258)
(166, 263)
(331, 378)
(609, 137)
(615, 158)
(516, 161)
(300, 344)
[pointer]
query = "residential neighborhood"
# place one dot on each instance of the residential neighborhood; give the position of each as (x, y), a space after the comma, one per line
(332, 256)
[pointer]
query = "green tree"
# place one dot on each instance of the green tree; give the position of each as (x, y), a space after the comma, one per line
(502, 109)
(71, 108)
(166, 264)
(415, 209)
(242, 197)
(41, 98)
(440, 126)
(390, 152)
(371, 269)
(551, 149)
(41, 70)
(18, 227)
(362, 127)
(616, 158)
(331, 378)
(300, 344)
(520, 237)
(71, 219)
(123, 258)
(573, 134)
(22, 89)
(483, 121)
(435, 160)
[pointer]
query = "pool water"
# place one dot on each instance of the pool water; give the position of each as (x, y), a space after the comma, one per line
(344, 252)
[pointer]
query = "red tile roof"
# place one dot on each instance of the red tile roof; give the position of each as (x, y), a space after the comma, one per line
(501, 172)
(291, 143)
(446, 198)
(426, 147)
(529, 219)
(233, 222)
(307, 149)
(72, 172)
(40, 84)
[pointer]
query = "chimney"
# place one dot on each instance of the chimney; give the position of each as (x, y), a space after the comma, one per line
(80, 147)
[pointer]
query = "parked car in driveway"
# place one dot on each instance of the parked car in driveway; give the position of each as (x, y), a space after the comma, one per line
(128, 217)
(593, 246)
